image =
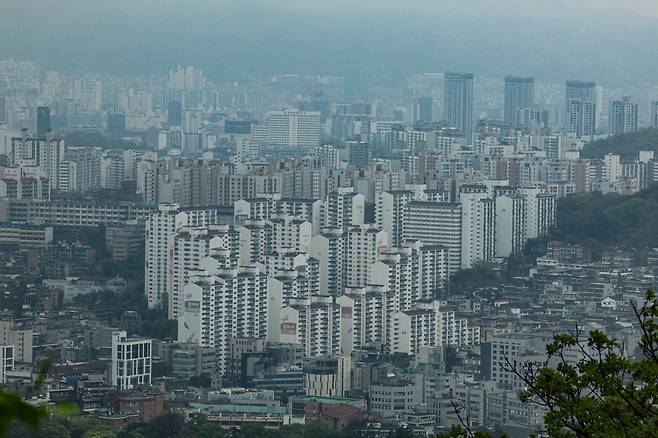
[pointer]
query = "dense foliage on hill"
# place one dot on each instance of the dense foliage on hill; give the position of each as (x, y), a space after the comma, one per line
(626, 145)
(601, 221)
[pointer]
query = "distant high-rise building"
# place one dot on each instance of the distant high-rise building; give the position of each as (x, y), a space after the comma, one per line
(43, 121)
(174, 113)
(186, 78)
(478, 225)
(359, 153)
(116, 124)
(47, 154)
(654, 113)
(161, 227)
(623, 116)
(581, 108)
(354, 87)
(458, 102)
(422, 109)
(293, 128)
(3, 110)
(192, 130)
(519, 93)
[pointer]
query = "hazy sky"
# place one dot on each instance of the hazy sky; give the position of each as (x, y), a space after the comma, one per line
(606, 40)
(645, 7)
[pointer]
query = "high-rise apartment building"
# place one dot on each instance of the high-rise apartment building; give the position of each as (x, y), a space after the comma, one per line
(364, 243)
(478, 225)
(174, 113)
(510, 224)
(519, 93)
(391, 214)
(116, 124)
(189, 246)
(343, 208)
(437, 223)
(46, 154)
(329, 249)
(458, 103)
(219, 305)
(421, 109)
(160, 229)
(43, 121)
(581, 110)
(359, 153)
(623, 116)
(4, 110)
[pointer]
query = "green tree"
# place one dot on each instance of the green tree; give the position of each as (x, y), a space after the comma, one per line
(13, 409)
(482, 274)
(605, 393)
(169, 425)
(626, 145)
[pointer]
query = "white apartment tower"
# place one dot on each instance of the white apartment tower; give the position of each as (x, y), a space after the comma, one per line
(391, 214)
(314, 323)
(189, 246)
(160, 229)
(223, 304)
(46, 154)
(343, 208)
(329, 248)
(292, 128)
(510, 224)
(364, 243)
(363, 315)
(478, 225)
(437, 223)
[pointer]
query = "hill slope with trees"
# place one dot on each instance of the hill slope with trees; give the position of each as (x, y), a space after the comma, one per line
(601, 221)
(626, 145)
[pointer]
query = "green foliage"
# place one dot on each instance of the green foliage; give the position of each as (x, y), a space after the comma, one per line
(604, 394)
(202, 381)
(461, 432)
(482, 274)
(172, 425)
(626, 145)
(601, 221)
(13, 408)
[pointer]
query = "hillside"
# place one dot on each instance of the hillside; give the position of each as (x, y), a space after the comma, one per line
(626, 145)
(601, 221)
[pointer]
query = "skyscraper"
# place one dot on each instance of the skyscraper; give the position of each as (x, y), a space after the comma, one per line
(116, 124)
(654, 113)
(43, 121)
(422, 109)
(519, 93)
(623, 116)
(354, 87)
(458, 102)
(3, 109)
(174, 113)
(581, 108)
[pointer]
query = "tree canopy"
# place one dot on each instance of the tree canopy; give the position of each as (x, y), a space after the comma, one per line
(627, 146)
(601, 221)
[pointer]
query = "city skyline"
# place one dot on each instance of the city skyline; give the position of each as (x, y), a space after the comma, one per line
(336, 219)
